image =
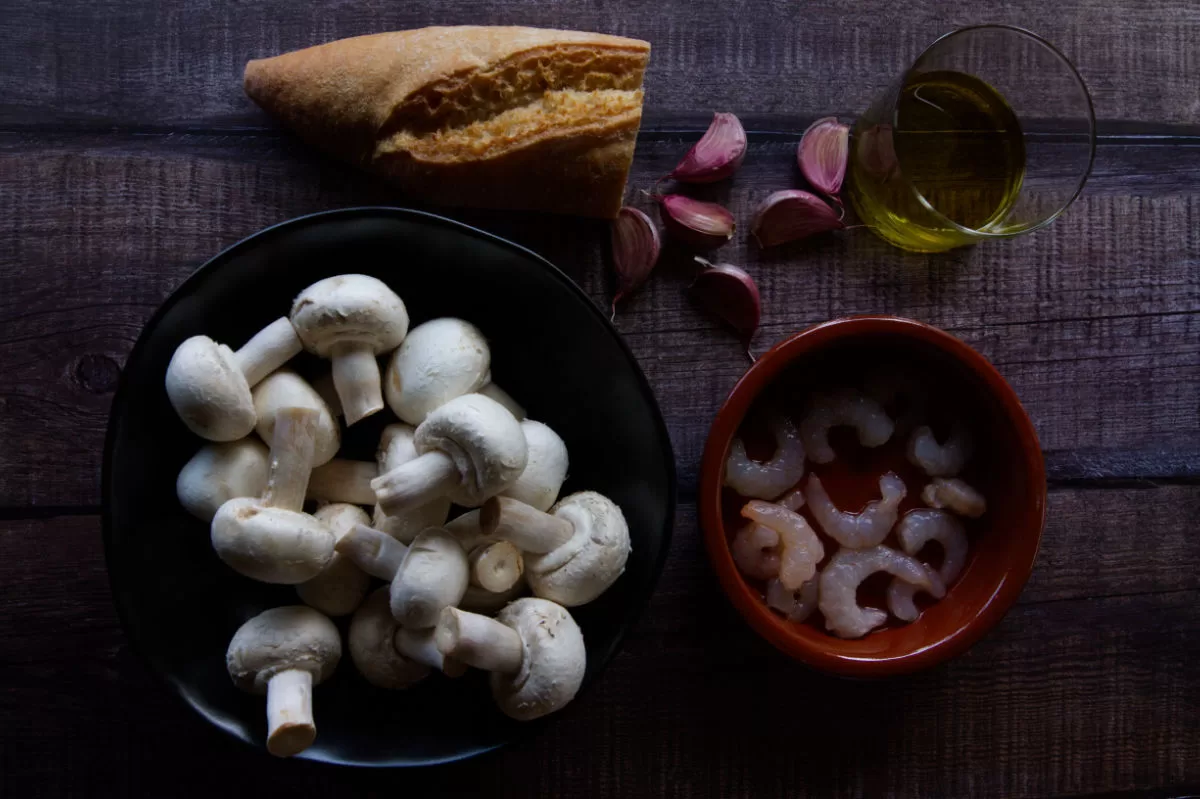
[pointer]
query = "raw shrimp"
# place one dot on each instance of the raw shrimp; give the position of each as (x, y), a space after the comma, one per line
(754, 551)
(916, 529)
(857, 530)
(767, 480)
(792, 500)
(795, 605)
(940, 460)
(900, 596)
(845, 407)
(846, 571)
(954, 495)
(899, 390)
(799, 548)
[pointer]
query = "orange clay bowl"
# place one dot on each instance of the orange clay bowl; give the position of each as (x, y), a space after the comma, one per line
(1007, 467)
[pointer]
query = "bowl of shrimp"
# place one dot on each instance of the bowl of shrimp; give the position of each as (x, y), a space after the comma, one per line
(872, 496)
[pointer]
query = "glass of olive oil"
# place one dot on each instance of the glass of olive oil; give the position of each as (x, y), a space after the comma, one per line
(989, 134)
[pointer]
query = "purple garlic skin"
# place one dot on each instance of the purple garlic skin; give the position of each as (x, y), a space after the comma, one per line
(696, 224)
(717, 155)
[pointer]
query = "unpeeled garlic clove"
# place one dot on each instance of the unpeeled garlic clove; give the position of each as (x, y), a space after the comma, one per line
(694, 223)
(822, 155)
(791, 215)
(717, 155)
(729, 293)
(635, 248)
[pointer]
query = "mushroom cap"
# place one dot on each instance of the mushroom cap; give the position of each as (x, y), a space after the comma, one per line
(349, 309)
(545, 470)
(372, 632)
(438, 361)
(341, 585)
(396, 448)
(483, 439)
(286, 389)
(208, 390)
(294, 637)
(591, 560)
(433, 576)
(219, 472)
(553, 663)
(270, 544)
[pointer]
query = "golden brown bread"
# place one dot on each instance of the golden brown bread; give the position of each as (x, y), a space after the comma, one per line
(499, 117)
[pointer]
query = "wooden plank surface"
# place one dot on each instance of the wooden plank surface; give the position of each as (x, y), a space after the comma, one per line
(124, 62)
(1089, 682)
(128, 155)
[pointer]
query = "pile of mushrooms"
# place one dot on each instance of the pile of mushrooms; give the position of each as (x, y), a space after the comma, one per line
(284, 508)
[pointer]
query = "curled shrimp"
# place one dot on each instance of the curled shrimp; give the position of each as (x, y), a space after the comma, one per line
(754, 551)
(954, 495)
(792, 500)
(846, 571)
(845, 407)
(794, 605)
(940, 460)
(770, 479)
(857, 530)
(915, 530)
(799, 548)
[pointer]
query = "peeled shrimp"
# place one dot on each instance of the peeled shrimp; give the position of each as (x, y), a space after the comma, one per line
(844, 407)
(799, 548)
(767, 480)
(754, 551)
(916, 529)
(940, 460)
(846, 571)
(792, 500)
(857, 530)
(795, 605)
(900, 595)
(955, 495)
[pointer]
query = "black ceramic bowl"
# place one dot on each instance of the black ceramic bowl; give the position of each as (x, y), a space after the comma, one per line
(552, 349)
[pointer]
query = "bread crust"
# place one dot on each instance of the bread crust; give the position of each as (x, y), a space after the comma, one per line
(498, 117)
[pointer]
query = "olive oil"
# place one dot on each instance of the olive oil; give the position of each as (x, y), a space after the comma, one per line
(945, 167)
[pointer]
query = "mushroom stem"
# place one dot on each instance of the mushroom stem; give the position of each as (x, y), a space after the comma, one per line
(524, 525)
(479, 641)
(269, 349)
(496, 566)
(290, 726)
(292, 447)
(376, 553)
(412, 484)
(356, 378)
(419, 645)
(342, 480)
(493, 391)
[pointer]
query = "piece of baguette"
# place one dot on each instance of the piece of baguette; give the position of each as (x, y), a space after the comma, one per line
(495, 117)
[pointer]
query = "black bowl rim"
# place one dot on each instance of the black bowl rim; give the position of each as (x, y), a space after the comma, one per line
(392, 212)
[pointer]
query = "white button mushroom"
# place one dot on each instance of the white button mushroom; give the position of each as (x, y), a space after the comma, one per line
(545, 469)
(510, 570)
(340, 587)
(533, 648)
(342, 480)
(438, 361)
(271, 539)
(371, 642)
(284, 652)
(396, 448)
(572, 554)
(493, 391)
(350, 319)
(430, 574)
(286, 389)
(469, 449)
(209, 384)
(219, 472)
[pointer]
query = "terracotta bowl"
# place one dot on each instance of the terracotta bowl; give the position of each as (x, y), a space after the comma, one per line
(1007, 468)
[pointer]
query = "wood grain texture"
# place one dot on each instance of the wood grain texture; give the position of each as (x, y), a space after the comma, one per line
(116, 62)
(1087, 685)
(1095, 320)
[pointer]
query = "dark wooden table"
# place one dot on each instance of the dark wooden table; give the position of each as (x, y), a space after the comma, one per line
(128, 155)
